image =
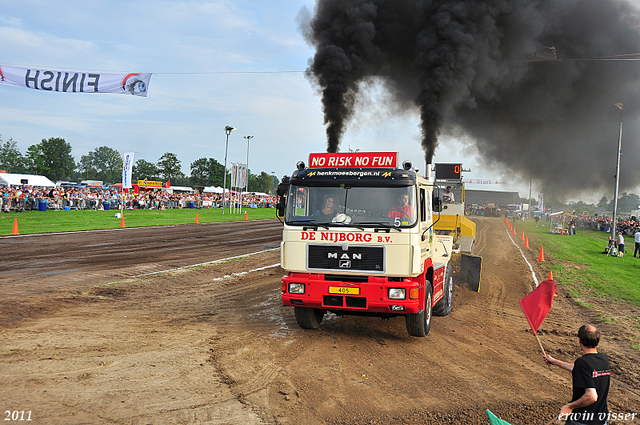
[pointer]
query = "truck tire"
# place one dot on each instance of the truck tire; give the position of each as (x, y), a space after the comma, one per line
(308, 318)
(443, 308)
(419, 324)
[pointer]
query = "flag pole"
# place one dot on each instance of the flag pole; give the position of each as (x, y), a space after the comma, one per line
(540, 344)
(543, 352)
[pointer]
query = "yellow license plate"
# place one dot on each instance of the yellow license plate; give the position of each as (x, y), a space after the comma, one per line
(344, 290)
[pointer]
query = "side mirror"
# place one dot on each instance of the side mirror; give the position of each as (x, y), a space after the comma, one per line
(282, 190)
(281, 206)
(436, 201)
(283, 187)
(437, 205)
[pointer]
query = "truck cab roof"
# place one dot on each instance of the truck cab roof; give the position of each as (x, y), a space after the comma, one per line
(359, 177)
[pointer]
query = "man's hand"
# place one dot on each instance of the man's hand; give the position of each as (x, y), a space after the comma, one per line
(564, 365)
(590, 396)
(565, 411)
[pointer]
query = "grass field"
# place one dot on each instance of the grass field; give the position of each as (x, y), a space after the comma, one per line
(577, 262)
(66, 221)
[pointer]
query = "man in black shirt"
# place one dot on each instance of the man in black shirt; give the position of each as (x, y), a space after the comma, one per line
(591, 375)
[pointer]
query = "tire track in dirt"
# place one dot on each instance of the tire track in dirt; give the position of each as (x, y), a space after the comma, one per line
(481, 238)
(47, 263)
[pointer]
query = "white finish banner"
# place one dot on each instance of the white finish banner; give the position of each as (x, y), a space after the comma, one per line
(127, 168)
(75, 81)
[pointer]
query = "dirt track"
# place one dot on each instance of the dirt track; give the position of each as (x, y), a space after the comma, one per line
(201, 345)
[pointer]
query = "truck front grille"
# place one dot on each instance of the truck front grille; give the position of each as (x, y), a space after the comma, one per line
(346, 258)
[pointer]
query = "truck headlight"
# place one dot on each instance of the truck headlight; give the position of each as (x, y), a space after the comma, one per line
(397, 294)
(296, 288)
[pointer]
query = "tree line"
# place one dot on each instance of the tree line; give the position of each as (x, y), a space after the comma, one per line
(52, 158)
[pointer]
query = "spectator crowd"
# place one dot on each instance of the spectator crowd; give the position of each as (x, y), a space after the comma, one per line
(626, 227)
(23, 198)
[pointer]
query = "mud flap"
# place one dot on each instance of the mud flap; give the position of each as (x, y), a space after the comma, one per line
(467, 270)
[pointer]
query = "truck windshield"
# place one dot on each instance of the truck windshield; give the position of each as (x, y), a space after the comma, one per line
(354, 206)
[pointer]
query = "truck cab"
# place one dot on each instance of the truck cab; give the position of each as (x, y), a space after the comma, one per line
(453, 221)
(358, 239)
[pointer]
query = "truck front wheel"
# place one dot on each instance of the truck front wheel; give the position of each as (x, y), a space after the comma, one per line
(419, 324)
(308, 318)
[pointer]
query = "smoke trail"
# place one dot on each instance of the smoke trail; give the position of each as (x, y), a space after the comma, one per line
(480, 68)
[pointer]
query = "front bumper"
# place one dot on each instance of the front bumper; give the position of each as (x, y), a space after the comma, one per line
(343, 295)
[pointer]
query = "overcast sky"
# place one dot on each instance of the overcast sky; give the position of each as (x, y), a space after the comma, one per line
(216, 63)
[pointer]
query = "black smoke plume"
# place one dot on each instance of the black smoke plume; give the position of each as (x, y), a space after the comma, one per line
(532, 82)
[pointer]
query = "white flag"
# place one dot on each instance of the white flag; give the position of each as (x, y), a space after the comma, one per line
(127, 168)
(242, 173)
(234, 174)
(540, 205)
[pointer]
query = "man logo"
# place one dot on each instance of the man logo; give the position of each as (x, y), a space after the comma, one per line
(344, 264)
(344, 256)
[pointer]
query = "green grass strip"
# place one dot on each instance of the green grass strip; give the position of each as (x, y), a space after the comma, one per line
(578, 262)
(68, 221)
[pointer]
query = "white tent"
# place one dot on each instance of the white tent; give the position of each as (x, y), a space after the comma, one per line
(173, 189)
(25, 179)
(211, 189)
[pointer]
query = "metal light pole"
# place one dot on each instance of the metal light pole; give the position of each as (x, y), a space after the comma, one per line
(529, 212)
(228, 129)
(247, 182)
(617, 177)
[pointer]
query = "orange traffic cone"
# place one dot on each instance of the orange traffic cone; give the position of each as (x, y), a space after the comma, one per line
(526, 242)
(245, 216)
(550, 275)
(522, 237)
(15, 227)
(514, 230)
(197, 222)
(122, 220)
(541, 256)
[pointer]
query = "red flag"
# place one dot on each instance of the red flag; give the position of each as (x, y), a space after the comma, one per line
(537, 304)
(167, 184)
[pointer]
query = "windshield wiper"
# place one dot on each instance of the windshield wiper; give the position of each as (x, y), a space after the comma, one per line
(312, 224)
(385, 226)
(347, 225)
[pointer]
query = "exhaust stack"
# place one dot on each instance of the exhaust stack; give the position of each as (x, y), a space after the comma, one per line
(429, 175)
